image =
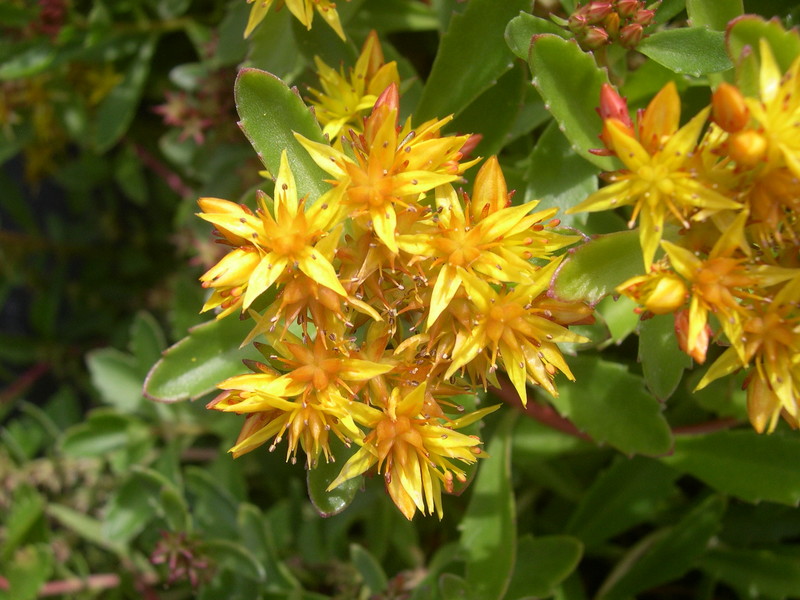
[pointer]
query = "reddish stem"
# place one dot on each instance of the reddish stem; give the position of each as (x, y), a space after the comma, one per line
(170, 177)
(23, 382)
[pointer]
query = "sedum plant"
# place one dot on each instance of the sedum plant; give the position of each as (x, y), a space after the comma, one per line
(515, 283)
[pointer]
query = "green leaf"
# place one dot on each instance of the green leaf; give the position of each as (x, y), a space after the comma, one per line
(559, 177)
(611, 405)
(542, 564)
(748, 30)
(28, 571)
(630, 492)
(663, 362)
(619, 316)
(755, 573)
(522, 28)
(453, 587)
(471, 56)
(393, 15)
(666, 554)
(369, 568)
(103, 432)
(488, 529)
(742, 463)
(689, 50)
(25, 513)
(194, 366)
(270, 112)
(272, 46)
(494, 112)
(594, 269)
(117, 109)
(715, 15)
(147, 341)
(116, 376)
(27, 60)
(569, 81)
(320, 477)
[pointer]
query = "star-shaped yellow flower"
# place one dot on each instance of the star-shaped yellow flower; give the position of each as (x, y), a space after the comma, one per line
(303, 10)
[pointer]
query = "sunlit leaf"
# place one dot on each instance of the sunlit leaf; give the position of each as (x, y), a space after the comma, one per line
(690, 50)
(663, 362)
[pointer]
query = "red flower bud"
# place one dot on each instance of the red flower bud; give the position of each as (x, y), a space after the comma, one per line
(611, 23)
(644, 17)
(593, 38)
(728, 108)
(597, 11)
(613, 106)
(631, 35)
(628, 8)
(577, 23)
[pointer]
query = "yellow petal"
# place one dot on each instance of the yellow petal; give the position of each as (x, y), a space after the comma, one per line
(444, 290)
(317, 267)
(264, 275)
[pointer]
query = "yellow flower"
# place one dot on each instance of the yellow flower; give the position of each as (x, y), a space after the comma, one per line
(392, 168)
(414, 452)
(660, 292)
(344, 99)
(488, 237)
(293, 239)
(306, 403)
(515, 326)
(303, 10)
(770, 339)
(658, 181)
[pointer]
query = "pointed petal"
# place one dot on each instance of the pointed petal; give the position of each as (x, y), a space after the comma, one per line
(447, 283)
(357, 465)
(263, 276)
(317, 267)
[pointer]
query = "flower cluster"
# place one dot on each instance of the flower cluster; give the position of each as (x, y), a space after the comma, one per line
(303, 11)
(722, 206)
(386, 298)
(603, 22)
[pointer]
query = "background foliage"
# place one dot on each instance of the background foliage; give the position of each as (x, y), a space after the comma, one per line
(116, 116)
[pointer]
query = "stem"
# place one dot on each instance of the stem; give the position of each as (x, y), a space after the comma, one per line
(170, 177)
(23, 382)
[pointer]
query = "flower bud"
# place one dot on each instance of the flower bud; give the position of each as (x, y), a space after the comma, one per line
(747, 147)
(728, 108)
(597, 11)
(489, 194)
(577, 23)
(631, 35)
(611, 24)
(613, 106)
(660, 292)
(763, 404)
(644, 17)
(593, 38)
(696, 347)
(628, 8)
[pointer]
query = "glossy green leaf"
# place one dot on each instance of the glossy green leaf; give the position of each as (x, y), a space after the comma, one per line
(557, 176)
(666, 554)
(612, 406)
(194, 366)
(319, 478)
(594, 269)
(715, 15)
(663, 362)
(542, 564)
(742, 463)
(270, 112)
(754, 573)
(472, 55)
(27, 60)
(117, 109)
(688, 50)
(369, 568)
(103, 432)
(569, 81)
(521, 29)
(115, 375)
(488, 529)
(748, 30)
(147, 341)
(628, 493)
(619, 316)
(88, 528)
(214, 506)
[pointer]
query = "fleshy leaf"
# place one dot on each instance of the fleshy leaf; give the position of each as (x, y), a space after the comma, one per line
(612, 406)
(320, 477)
(755, 573)
(663, 362)
(195, 365)
(522, 28)
(488, 530)
(270, 112)
(742, 463)
(569, 81)
(689, 50)
(749, 29)
(715, 15)
(593, 270)
(473, 39)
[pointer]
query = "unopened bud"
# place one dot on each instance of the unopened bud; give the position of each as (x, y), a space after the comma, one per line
(631, 35)
(613, 106)
(660, 293)
(593, 38)
(644, 17)
(597, 11)
(728, 108)
(763, 405)
(611, 24)
(697, 346)
(577, 23)
(628, 8)
(489, 194)
(747, 147)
